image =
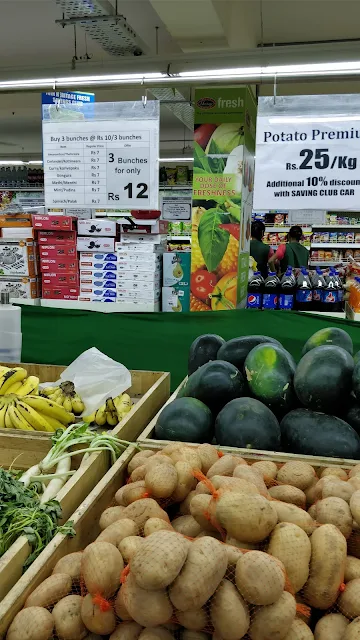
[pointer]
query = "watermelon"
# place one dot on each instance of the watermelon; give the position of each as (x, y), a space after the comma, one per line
(269, 372)
(185, 419)
(356, 379)
(329, 336)
(317, 434)
(237, 349)
(247, 423)
(215, 384)
(323, 378)
(203, 349)
(352, 414)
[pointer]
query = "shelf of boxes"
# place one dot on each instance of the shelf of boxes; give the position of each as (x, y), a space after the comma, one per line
(336, 226)
(103, 307)
(335, 245)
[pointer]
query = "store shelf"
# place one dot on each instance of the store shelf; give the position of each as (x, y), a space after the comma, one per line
(185, 238)
(335, 245)
(283, 229)
(103, 307)
(3, 188)
(336, 226)
(174, 187)
(329, 263)
(28, 302)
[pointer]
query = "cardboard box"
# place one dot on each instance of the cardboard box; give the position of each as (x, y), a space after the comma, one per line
(138, 296)
(61, 265)
(176, 268)
(60, 279)
(88, 275)
(18, 233)
(97, 227)
(141, 238)
(175, 299)
(150, 259)
(87, 244)
(139, 267)
(139, 255)
(15, 220)
(24, 287)
(53, 222)
(57, 237)
(154, 226)
(95, 299)
(128, 277)
(60, 293)
(57, 251)
(97, 257)
(17, 258)
(98, 293)
(91, 288)
(144, 247)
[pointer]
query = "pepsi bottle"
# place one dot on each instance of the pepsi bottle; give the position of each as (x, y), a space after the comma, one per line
(287, 290)
(304, 291)
(318, 287)
(255, 291)
(271, 291)
(331, 295)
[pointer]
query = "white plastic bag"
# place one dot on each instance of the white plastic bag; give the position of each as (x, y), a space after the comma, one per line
(96, 377)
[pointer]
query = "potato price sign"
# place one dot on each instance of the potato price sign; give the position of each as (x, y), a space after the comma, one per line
(307, 163)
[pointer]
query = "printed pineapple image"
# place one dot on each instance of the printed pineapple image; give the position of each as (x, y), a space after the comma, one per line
(229, 261)
(198, 305)
(197, 260)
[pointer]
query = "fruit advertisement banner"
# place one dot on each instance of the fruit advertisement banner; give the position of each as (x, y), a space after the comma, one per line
(224, 142)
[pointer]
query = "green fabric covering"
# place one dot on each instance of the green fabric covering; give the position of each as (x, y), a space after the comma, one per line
(158, 341)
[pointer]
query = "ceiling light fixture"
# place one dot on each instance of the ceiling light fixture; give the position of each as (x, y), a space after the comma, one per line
(15, 163)
(180, 159)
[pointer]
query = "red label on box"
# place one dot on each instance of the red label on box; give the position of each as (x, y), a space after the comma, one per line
(60, 279)
(52, 223)
(60, 293)
(59, 265)
(57, 251)
(57, 237)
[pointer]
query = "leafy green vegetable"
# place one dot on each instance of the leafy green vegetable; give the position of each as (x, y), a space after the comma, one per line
(200, 159)
(217, 165)
(213, 240)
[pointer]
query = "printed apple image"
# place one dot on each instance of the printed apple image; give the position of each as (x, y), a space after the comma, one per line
(226, 137)
(203, 134)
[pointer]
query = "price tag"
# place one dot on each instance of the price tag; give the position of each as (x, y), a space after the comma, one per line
(307, 162)
(307, 217)
(176, 208)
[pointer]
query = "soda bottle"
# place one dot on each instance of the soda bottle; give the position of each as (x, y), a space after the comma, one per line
(318, 286)
(287, 290)
(271, 291)
(331, 295)
(255, 291)
(304, 291)
(340, 290)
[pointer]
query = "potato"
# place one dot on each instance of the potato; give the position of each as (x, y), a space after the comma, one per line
(139, 473)
(156, 524)
(355, 506)
(299, 630)
(225, 466)
(133, 491)
(96, 620)
(312, 511)
(212, 534)
(238, 485)
(161, 481)
(148, 608)
(118, 530)
(240, 544)
(260, 578)
(337, 488)
(354, 544)
(119, 496)
(33, 623)
(156, 633)
(187, 526)
(110, 515)
(314, 492)
(194, 635)
(208, 456)
(233, 554)
(141, 510)
(128, 546)
(170, 448)
(186, 481)
(297, 473)
(68, 620)
(291, 545)
(290, 513)
(70, 564)
(334, 471)
(352, 631)
(354, 481)
(184, 507)
(127, 631)
(157, 460)
(194, 619)
(101, 567)
(354, 471)
(200, 506)
(120, 608)
(349, 599)
(287, 493)
(201, 575)
(139, 459)
(335, 511)
(327, 566)
(274, 621)
(246, 517)
(50, 591)
(229, 612)
(267, 468)
(331, 627)
(251, 475)
(159, 560)
(352, 568)
(201, 487)
(189, 455)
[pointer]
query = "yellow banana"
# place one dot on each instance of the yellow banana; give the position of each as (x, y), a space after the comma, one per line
(54, 423)
(8, 378)
(35, 419)
(49, 408)
(55, 395)
(7, 419)
(59, 398)
(90, 418)
(67, 404)
(123, 404)
(14, 387)
(111, 413)
(18, 421)
(48, 391)
(77, 405)
(29, 386)
(2, 416)
(100, 416)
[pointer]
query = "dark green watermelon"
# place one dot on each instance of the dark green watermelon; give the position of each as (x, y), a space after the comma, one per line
(247, 423)
(203, 349)
(356, 379)
(185, 419)
(323, 378)
(269, 371)
(317, 434)
(237, 349)
(351, 414)
(215, 384)
(357, 357)
(329, 336)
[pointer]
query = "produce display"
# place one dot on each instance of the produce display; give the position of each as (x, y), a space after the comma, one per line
(111, 412)
(198, 543)
(250, 393)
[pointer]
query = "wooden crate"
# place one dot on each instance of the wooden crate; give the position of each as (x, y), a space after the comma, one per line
(21, 450)
(147, 439)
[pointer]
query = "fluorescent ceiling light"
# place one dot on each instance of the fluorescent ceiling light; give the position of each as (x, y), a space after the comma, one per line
(181, 159)
(309, 119)
(34, 162)
(19, 162)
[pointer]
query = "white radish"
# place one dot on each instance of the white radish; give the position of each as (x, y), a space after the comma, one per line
(28, 475)
(54, 486)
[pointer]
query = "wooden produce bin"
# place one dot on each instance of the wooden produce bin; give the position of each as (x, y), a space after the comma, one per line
(147, 440)
(22, 449)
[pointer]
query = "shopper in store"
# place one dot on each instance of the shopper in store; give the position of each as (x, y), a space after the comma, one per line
(260, 251)
(291, 254)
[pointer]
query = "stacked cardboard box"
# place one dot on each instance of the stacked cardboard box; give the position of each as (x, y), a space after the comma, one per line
(98, 262)
(18, 256)
(139, 271)
(176, 281)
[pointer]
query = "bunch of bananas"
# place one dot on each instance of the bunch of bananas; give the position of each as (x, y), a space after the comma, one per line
(111, 412)
(66, 396)
(16, 380)
(32, 413)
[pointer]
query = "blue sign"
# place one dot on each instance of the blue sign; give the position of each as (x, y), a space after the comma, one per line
(67, 97)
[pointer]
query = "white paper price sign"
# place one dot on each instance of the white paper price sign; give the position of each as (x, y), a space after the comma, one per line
(102, 163)
(307, 163)
(176, 208)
